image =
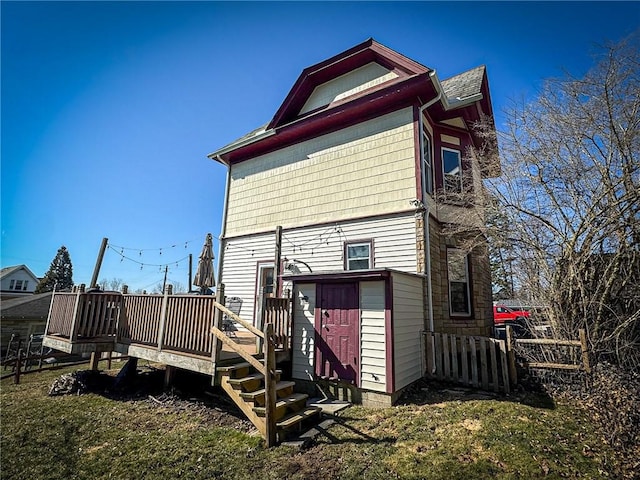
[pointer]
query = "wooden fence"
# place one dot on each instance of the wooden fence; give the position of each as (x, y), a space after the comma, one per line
(471, 361)
(491, 364)
(552, 353)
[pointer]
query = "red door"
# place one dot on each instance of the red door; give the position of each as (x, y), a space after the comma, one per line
(337, 318)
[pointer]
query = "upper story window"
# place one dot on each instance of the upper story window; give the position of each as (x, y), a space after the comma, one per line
(358, 255)
(427, 159)
(458, 272)
(451, 170)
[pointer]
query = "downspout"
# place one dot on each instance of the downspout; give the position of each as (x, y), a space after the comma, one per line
(427, 241)
(223, 227)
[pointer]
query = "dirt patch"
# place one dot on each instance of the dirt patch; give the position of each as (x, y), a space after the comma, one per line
(191, 394)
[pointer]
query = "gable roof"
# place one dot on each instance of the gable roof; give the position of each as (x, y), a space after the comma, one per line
(367, 52)
(6, 271)
(406, 83)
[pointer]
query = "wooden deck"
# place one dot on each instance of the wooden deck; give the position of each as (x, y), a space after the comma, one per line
(185, 331)
(170, 329)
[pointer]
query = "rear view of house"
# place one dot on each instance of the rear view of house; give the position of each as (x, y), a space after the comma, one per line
(350, 167)
(336, 260)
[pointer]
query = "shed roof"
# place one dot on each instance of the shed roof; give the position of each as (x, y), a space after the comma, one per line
(32, 306)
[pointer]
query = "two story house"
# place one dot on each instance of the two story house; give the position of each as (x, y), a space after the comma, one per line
(17, 281)
(349, 168)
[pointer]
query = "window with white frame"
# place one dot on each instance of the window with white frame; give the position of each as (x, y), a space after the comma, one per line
(427, 162)
(458, 272)
(451, 170)
(11, 284)
(18, 285)
(358, 256)
(24, 285)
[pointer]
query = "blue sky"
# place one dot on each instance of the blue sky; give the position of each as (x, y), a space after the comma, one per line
(110, 108)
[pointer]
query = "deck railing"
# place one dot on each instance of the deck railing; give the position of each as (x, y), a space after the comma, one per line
(97, 315)
(277, 311)
(188, 321)
(140, 319)
(61, 314)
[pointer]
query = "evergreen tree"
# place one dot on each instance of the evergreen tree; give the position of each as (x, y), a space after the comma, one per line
(59, 275)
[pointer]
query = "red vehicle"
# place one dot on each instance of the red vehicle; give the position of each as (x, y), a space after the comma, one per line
(502, 315)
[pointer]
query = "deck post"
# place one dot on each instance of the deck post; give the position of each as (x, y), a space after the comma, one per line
(216, 345)
(511, 356)
(94, 361)
(163, 315)
(270, 386)
(76, 307)
(585, 350)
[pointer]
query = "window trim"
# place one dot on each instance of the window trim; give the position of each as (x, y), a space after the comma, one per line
(18, 286)
(467, 272)
(427, 187)
(445, 175)
(352, 243)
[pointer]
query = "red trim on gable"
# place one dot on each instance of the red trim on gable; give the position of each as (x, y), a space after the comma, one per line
(375, 104)
(356, 57)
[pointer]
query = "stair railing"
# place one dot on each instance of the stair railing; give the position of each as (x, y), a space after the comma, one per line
(267, 368)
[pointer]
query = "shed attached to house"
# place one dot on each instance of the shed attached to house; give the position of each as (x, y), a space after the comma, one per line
(361, 330)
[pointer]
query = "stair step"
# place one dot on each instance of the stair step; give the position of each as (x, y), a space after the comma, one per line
(236, 370)
(296, 401)
(251, 382)
(257, 396)
(297, 417)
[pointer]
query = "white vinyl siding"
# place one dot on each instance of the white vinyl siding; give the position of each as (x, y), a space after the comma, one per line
(408, 323)
(241, 268)
(303, 340)
(363, 170)
(321, 247)
(372, 337)
(348, 84)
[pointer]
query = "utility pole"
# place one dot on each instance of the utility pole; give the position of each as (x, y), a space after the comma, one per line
(164, 283)
(96, 270)
(190, 268)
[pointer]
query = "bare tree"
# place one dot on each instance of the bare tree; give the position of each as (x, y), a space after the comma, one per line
(569, 191)
(113, 284)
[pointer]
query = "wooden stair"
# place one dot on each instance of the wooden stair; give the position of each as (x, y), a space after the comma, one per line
(246, 388)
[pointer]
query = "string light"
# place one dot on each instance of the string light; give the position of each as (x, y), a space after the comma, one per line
(124, 257)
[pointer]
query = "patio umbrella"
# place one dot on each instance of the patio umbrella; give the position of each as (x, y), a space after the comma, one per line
(204, 274)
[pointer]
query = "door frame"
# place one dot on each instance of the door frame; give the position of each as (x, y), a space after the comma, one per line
(318, 327)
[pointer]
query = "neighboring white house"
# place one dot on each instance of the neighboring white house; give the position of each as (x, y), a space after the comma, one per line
(348, 168)
(17, 281)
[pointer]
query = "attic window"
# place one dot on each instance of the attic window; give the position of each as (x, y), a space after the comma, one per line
(358, 256)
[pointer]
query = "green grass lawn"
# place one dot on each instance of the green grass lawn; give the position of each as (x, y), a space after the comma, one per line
(92, 436)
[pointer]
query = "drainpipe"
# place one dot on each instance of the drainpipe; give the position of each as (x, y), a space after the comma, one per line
(427, 241)
(223, 227)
